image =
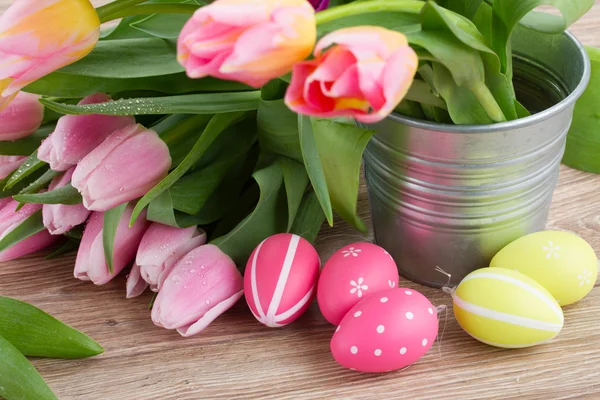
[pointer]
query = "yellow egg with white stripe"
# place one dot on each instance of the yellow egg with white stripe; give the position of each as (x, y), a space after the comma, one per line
(505, 308)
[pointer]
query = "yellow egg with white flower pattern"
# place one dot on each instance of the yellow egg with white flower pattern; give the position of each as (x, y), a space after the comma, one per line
(504, 308)
(562, 262)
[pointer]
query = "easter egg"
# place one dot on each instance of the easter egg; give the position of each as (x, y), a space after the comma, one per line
(352, 273)
(386, 331)
(505, 308)
(281, 279)
(563, 263)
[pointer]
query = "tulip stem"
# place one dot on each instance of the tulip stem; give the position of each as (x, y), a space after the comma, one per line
(115, 7)
(149, 9)
(489, 103)
(373, 6)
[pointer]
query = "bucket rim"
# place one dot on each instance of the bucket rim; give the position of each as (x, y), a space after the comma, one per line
(515, 124)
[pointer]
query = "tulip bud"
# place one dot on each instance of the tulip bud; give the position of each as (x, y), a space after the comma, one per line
(129, 163)
(361, 72)
(319, 5)
(204, 284)
(161, 247)
(9, 163)
(59, 218)
(38, 37)
(250, 41)
(135, 284)
(91, 263)
(76, 136)
(21, 117)
(9, 220)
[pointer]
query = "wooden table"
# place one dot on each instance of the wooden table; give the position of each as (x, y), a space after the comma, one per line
(237, 358)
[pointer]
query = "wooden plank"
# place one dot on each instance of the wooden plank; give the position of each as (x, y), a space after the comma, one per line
(237, 358)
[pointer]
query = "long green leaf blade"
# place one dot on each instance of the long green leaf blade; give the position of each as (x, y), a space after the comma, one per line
(215, 127)
(63, 195)
(37, 334)
(313, 164)
(211, 103)
(19, 380)
(30, 165)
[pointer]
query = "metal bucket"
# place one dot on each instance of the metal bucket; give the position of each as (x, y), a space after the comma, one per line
(454, 195)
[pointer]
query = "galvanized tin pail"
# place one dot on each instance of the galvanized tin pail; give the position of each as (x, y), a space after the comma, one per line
(452, 196)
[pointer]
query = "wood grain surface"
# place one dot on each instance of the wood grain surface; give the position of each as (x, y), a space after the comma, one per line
(237, 358)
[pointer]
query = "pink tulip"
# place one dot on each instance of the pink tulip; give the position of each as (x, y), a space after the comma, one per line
(129, 163)
(9, 220)
(76, 136)
(251, 41)
(59, 218)
(135, 284)
(159, 251)
(38, 37)
(91, 263)
(204, 284)
(9, 163)
(21, 117)
(361, 72)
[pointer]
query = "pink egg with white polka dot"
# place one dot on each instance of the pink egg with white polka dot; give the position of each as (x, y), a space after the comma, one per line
(281, 279)
(386, 331)
(351, 274)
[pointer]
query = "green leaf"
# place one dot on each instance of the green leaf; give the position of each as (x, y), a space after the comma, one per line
(186, 104)
(467, 8)
(583, 141)
(109, 232)
(463, 106)
(136, 58)
(268, 218)
(274, 90)
(181, 136)
(40, 183)
(165, 26)
(30, 165)
(309, 218)
(161, 210)
(216, 126)
(396, 21)
(63, 195)
(62, 84)
(421, 92)
(27, 145)
(314, 166)
(19, 380)
(19, 186)
(68, 245)
(37, 334)
(29, 227)
(508, 13)
(295, 180)
(341, 147)
(278, 129)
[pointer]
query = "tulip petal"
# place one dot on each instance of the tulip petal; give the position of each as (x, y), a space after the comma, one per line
(135, 284)
(9, 163)
(60, 218)
(21, 117)
(210, 316)
(93, 229)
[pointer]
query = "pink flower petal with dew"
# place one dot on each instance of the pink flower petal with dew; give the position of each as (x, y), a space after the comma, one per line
(60, 218)
(135, 284)
(237, 13)
(90, 162)
(186, 298)
(210, 316)
(364, 41)
(76, 136)
(129, 171)
(162, 247)
(9, 163)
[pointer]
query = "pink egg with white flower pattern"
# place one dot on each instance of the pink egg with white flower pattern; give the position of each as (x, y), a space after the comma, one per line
(386, 331)
(281, 279)
(351, 274)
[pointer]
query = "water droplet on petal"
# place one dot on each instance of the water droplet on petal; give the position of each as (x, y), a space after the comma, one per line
(192, 271)
(207, 301)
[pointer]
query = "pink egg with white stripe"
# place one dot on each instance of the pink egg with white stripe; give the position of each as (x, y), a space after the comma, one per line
(351, 274)
(281, 279)
(386, 331)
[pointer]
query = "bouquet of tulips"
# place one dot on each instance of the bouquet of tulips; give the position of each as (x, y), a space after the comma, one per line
(187, 123)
